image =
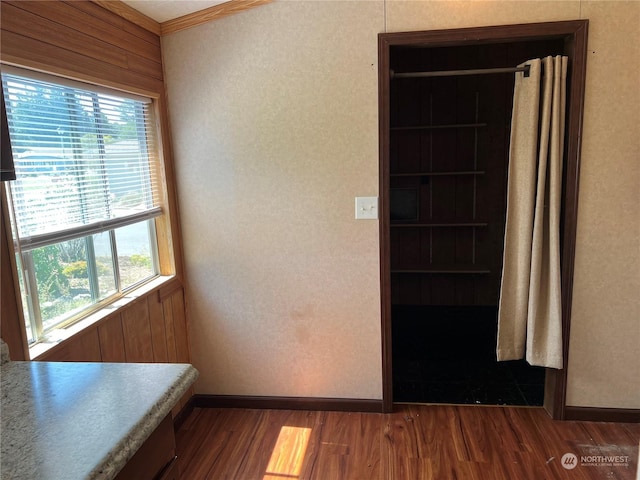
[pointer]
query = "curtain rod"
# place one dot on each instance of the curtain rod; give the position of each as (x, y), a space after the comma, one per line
(452, 73)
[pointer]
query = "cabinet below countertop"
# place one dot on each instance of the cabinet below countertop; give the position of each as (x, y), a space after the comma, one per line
(156, 457)
(79, 421)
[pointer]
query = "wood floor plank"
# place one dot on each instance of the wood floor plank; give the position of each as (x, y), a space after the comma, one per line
(280, 444)
(416, 442)
(347, 446)
(238, 427)
(198, 441)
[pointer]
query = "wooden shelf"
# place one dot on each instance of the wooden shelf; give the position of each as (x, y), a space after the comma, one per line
(445, 269)
(439, 225)
(438, 174)
(438, 127)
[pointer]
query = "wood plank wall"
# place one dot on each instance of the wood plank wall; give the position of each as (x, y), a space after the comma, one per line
(84, 41)
(152, 329)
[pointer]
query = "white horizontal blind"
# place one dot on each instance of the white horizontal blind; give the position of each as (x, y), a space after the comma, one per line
(84, 160)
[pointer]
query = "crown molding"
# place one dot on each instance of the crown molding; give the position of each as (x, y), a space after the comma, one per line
(208, 14)
(131, 14)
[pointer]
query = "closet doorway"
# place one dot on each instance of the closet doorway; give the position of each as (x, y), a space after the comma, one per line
(444, 152)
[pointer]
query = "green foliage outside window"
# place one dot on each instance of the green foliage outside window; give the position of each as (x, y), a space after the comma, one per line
(141, 260)
(51, 280)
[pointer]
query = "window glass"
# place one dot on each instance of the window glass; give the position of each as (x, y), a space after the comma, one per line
(84, 199)
(69, 277)
(135, 253)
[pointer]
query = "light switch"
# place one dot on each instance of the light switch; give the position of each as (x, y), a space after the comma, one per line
(366, 208)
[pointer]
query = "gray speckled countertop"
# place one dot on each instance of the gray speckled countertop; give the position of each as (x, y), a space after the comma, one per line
(68, 421)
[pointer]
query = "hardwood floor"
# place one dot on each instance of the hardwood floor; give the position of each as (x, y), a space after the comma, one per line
(416, 442)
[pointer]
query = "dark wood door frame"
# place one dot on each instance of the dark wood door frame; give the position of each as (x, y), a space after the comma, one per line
(574, 34)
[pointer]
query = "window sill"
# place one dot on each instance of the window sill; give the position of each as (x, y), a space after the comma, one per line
(60, 336)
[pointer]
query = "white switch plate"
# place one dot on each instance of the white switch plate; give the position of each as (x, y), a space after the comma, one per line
(366, 208)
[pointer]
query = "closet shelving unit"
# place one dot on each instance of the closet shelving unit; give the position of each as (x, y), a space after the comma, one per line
(425, 220)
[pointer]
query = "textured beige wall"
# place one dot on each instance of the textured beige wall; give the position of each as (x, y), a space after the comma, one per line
(435, 14)
(274, 113)
(604, 355)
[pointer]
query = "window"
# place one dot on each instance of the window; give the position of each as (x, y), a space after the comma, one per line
(85, 196)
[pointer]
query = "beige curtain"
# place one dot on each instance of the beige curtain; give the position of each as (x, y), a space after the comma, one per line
(530, 309)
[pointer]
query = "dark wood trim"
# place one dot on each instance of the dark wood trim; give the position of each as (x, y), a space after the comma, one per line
(576, 49)
(574, 33)
(287, 403)
(183, 414)
(484, 35)
(596, 414)
(383, 209)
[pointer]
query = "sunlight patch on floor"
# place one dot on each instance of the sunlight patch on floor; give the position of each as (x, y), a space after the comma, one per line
(288, 454)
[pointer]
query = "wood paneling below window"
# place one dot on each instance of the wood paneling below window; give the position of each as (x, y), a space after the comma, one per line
(135, 333)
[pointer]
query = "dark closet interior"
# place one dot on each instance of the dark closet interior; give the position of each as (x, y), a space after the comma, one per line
(448, 165)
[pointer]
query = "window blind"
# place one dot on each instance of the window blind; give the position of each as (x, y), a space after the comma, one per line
(84, 159)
